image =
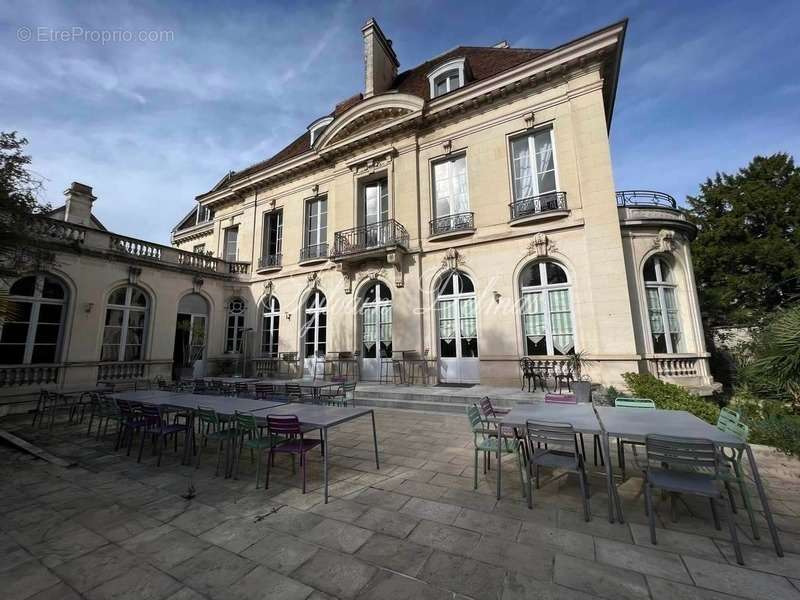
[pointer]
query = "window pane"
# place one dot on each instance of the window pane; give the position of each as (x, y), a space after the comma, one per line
(43, 354)
(136, 318)
(46, 334)
(650, 270)
(50, 313)
(20, 311)
(12, 354)
(112, 335)
(118, 296)
(14, 333)
(521, 168)
(555, 274)
(52, 289)
(138, 298)
(531, 276)
(23, 287)
(114, 317)
(465, 284)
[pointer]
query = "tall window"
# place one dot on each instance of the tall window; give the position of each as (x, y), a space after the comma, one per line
(273, 238)
(315, 325)
(450, 187)
(317, 222)
(376, 201)
(446, 82)
(546, 310)
(376, 319)
(230, 252)
(533, 167)
(234, 330)
(662, 307)
(458, 325)
(32, 332)
(125, 326)
(270, 325)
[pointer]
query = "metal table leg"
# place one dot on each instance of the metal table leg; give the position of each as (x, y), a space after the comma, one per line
(499, 470)
(764, 503)
(613, 495)
(374, 439)
(325, 461)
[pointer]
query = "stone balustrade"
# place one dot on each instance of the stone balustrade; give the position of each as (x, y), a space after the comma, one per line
(23, 375)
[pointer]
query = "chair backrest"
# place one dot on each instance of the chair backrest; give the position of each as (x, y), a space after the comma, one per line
(349, 387)
(151, 414)
(561, 435)
(246, 421)
(264, 390)
(107, 405)
(475, 421)
(560, 399)
(526, 365)
(726, 417)
(737, 428)
(634, 403)
(293, 389)
(241, 387)
(666, 451)
(283, 425)
(199, 386)
(487, 408)
(207, 415)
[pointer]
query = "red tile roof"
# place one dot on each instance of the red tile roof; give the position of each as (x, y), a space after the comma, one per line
(481, 63)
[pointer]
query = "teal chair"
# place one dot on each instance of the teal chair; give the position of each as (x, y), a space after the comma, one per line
(632, 404)
(729, 422)
(210, 428)
(486, 440)
(249, 436)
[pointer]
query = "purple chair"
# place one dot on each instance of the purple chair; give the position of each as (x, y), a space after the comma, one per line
(288, 426)
(560, 399)
(159, 428)
(131, 421)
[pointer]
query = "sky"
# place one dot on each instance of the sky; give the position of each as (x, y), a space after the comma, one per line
(212, 87)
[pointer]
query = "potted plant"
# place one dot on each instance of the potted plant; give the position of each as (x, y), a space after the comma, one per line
(582, 385)
(193, 347)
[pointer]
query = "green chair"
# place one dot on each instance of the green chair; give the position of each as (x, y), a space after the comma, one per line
(734, 461)
(249, 436)
(210, 427)
(486, 440)
(634, 404)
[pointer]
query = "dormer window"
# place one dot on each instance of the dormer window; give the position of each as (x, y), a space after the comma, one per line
(446, 77)
(317, 127)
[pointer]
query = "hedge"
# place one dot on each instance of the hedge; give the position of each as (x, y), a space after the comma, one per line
(670, 396)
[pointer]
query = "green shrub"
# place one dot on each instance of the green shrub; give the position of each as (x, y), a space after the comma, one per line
(779, 431)
(670, 396)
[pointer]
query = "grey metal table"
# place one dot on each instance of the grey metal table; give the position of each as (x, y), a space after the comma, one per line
(581, 417)
(323, 418)
(636, 425)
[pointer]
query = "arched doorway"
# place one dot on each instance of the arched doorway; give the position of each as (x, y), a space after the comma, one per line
(191, 333)
(376, 329)
(457, 329)
(315, 330)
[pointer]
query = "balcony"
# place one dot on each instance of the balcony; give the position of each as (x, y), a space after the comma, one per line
(368, 241)
(646, 199)
(62, 235)
(650, 210)
(452, 225)
(537, 208)
(317, 253)
(270, 262)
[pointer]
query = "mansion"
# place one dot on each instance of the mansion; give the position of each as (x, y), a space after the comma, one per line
(464, 209)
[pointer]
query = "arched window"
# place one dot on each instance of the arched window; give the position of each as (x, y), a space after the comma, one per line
(270, 325)
(547, 326)
(662, 306)
(125, 325)
(446, 77)
(32, 333)
(376, 322)
(234, 330)
(315, 325)
(458, 330)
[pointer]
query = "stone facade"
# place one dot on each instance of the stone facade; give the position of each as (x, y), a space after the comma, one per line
(600, 238)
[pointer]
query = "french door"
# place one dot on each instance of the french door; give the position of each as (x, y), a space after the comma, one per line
(315, 331)
(458, 330)
(376, 330)
(376, 212)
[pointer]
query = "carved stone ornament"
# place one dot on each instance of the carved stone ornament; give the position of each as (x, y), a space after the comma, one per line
(395, 259)
(373, 164)
(268, 288)
(529, 119)
(197, 283)
(447, 146)
(347, 280)
(666, 241)
(541, 246)
(452, 259)
(133, 274)
(313, 280)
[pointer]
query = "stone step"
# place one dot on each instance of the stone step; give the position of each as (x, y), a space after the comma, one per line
(418, 405)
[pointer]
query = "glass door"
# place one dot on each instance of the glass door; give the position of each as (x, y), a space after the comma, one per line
(376, 212)
(458, 331)
(376, 330)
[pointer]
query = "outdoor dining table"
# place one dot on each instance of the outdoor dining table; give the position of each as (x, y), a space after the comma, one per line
(581, 417)
(315, 385)
(323, 418)
(636, 424)
(233, 380)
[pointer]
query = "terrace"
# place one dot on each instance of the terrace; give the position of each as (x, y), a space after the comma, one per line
(415, 528)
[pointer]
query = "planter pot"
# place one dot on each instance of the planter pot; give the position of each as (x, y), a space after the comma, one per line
(583, 391)
(199, 369)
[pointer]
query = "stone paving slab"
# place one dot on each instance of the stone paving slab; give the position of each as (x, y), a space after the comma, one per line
(416, 528)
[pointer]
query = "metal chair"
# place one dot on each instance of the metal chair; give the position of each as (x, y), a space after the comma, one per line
(199, 386)
(486, 441)
(734, 461)
(247, 427)
(287, 437)
(155, 425)
(562, 374)
(240, 389)
(634, 404)
(264, 391)
(674, 465)
(210, 427)
(560, 452)
(390, 368)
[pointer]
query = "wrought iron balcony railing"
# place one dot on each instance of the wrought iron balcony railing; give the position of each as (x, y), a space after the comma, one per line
(645, 198)
(453, 223)
(370, 237)
(535, 205)
(270, 261)
(319, 251)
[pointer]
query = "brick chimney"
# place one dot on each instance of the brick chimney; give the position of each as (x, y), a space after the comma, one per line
(380, 61)
(78, 208)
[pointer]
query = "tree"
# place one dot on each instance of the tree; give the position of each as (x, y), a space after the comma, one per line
(19, 190)
(747, 251)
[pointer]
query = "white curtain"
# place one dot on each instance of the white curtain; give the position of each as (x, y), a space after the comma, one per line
(533, 316)
(561, 321)
(523, 175)
(447, 330)
(468, 321)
